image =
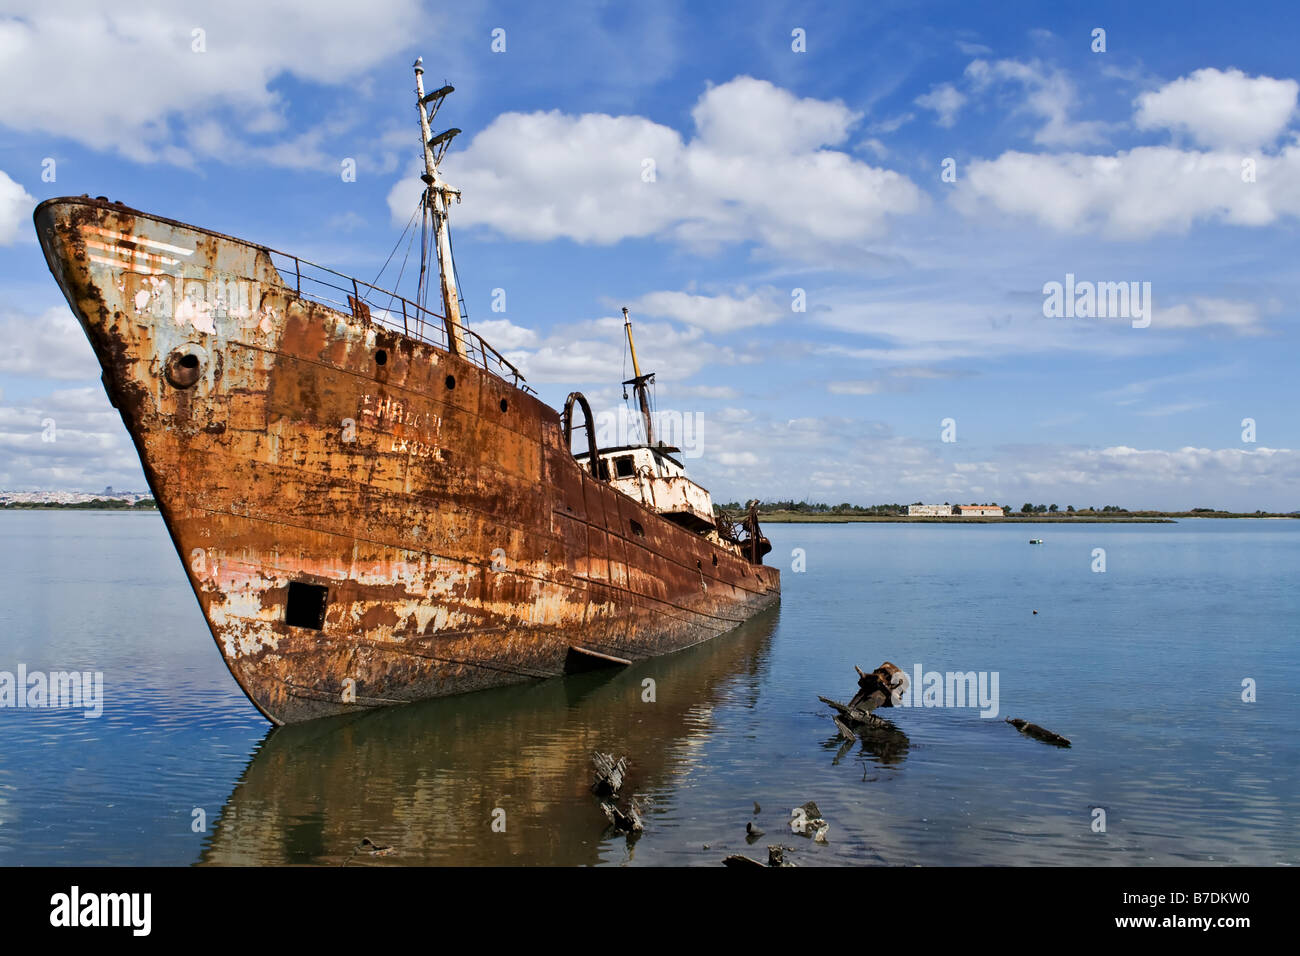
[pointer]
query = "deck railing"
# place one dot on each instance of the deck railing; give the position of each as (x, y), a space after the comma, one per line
(352, 296)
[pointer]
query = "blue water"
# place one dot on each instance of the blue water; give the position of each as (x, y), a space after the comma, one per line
(1141, 666)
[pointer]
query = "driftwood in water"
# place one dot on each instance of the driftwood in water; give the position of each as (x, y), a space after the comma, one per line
(369, 846)
(629, 822)
(776, 855)
(609, 774)
(853, 720)
(775, 858)
(883, 687)
(1038, 733)
(844, 730)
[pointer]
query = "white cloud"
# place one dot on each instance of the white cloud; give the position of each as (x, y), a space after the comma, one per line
(15, 209)
(920, 328)
(738, 459)
(135, 85)
(1135, 193)
(1140, 192)
(49, 345)
(856, 387)
(594, 353)
(838, 458)
(748, 116)
(876, 146)
(891, 124)
(1221, 109)
(1206, 468)
(946, 101)
(756, 170)
(90, 448)
(715, 313)
(1240, 317)
(1048, 95)
(502, 334)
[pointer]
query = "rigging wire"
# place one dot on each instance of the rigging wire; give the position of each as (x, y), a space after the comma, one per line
(402, 271)
(464, 310)
(375, 284)
(421, 290)
(397, 285)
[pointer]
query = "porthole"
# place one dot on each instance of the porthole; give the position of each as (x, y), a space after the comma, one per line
(504, 405)
(450, 382)
(715, 560)
(184, 366)
(381, 357)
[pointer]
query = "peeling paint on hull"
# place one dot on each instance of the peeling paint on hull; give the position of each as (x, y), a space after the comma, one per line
(459, 544)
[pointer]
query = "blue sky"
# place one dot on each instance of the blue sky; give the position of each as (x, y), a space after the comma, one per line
(775, 170)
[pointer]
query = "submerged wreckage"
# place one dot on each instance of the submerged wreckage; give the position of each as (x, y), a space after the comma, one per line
(371, 505)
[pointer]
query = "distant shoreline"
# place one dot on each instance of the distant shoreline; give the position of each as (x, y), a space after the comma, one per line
(793, 517)
(137, 508)
(787, 517)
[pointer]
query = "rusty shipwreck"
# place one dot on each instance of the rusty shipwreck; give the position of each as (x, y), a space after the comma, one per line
(371, 505)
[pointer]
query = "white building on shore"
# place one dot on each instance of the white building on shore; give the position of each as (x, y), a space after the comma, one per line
(929, 511)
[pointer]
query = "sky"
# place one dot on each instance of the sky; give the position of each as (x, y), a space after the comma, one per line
(837, 225)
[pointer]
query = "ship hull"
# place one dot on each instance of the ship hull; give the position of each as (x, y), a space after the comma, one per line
(365, 518)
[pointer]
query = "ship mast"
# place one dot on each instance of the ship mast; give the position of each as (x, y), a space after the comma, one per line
(437, 198)
(638, 382)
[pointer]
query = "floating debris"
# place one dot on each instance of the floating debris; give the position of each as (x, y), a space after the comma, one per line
(883, 687)
(807, 821)
(776, 855)
(370, 848)
(1035, 540)
(844, 730)
(1038, 733)
(374, 849)
(609, 778)
(757, 808)
(752, 833)
(609, 774)
(629, 822)
(775, 858)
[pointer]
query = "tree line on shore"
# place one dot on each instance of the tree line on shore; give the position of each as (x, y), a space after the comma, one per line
(97, 504)
(1028, 508)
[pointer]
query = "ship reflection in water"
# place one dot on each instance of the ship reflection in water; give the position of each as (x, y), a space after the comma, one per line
(428, 779)
(883, 746)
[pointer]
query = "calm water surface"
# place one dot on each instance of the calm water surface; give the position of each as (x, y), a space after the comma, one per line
(1140, 666)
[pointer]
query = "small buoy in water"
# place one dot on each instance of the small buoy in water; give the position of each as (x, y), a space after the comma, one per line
(1035, 540)
(1035, 610)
